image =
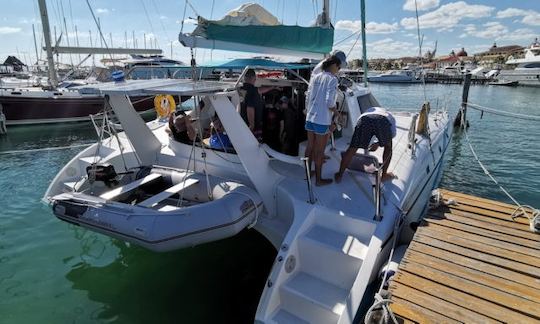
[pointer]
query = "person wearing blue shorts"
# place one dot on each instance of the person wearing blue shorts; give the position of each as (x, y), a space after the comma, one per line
(376, 122)
(321, 104)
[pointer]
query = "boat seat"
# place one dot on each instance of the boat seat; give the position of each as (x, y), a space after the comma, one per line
(130, 186)
(152, 201)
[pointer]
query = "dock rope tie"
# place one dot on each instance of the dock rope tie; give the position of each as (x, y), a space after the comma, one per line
(521, 210)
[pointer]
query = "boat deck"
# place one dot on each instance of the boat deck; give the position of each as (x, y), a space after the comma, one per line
(469, 262)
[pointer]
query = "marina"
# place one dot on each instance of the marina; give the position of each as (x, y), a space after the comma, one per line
(146, 189)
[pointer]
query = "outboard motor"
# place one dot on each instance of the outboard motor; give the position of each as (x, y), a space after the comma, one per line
(102, 172)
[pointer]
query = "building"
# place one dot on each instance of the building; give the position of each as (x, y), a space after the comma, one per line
(498, 55)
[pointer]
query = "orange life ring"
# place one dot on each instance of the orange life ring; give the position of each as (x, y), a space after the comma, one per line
(164, 105)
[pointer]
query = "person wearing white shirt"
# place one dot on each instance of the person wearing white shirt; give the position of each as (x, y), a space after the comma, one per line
(378, 122)
(321, 104)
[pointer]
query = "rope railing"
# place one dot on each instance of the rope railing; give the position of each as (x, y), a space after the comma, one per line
(502, 112)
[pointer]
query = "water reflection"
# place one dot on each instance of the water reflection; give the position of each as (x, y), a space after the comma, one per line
(216, 282)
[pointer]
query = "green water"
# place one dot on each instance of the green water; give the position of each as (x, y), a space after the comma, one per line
(52, 272)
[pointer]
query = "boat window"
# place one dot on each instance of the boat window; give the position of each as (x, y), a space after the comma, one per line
(532, 65)
(367, 101)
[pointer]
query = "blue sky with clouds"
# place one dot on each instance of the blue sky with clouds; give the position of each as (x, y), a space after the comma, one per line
(391, 24)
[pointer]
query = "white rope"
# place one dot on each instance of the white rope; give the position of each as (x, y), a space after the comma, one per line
(520, 211)
(502, 113)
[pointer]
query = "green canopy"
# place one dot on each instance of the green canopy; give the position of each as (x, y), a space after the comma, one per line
(308, 39)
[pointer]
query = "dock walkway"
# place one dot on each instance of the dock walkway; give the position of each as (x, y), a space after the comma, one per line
(469, 263)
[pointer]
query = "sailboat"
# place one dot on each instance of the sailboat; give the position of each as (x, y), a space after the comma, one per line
(330, 241)
(57, 104)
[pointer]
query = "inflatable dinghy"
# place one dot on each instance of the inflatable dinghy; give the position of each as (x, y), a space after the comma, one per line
(161, 209)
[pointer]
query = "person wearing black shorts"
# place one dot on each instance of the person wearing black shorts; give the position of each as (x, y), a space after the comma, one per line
(375, 122)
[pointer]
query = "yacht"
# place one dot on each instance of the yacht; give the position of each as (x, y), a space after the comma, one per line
(527, 72)
(143, 187)
(396, 76)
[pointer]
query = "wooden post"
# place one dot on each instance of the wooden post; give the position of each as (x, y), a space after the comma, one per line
(460, 120)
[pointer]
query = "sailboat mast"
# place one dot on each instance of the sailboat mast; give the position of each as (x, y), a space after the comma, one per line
(35, 46)
(326, 13)
(53, 79)
(364, 50)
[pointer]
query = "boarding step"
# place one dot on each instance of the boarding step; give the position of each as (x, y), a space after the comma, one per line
(313, 299)
(284, 317)
(130, 186)
(333, 256)
(154, 200)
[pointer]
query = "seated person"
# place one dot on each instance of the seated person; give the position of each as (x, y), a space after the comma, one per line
(376, 122)
(180, 127)
(219, 139)
(272, 126)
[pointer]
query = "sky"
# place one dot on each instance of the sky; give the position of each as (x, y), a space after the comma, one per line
(391, 24)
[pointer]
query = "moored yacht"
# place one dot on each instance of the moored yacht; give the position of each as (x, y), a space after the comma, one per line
(396, 76)
(527, 72)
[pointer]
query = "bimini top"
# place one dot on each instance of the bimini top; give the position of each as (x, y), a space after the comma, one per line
(179, 87)
(260, 63)
(250, 28)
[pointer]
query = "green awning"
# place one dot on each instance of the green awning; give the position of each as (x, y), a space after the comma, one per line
(308, 39)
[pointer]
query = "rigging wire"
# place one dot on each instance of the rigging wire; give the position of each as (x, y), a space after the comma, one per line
(100, 33)
(420, 41)
(150, 23)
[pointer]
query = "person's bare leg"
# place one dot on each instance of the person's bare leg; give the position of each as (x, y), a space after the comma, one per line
(346, 158)
(320, 144)
(309, 148)
(387, 156)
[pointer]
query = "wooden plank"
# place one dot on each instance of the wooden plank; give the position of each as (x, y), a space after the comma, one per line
(411, 312)
(506, 274)
(460, 298)
(495, 260)
(503, 222)
(130, 186)
(488, 213)
(493, 227)
(481, 231)
(477, 201)
(468, 243)
(441, 306)
(474, 289)
(477, 276)
(150, 202)
(484, 240)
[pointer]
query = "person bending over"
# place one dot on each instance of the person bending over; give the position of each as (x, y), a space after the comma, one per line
(376, 122)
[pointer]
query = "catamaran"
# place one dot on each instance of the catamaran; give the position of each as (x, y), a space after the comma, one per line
(142, 186)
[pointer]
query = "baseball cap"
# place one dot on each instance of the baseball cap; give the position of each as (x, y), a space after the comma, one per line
(342, 57)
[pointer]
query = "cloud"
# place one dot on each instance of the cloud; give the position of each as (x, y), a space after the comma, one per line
(104, 11)
(384, 48)
(422, 4)
(188, 21)
(9, 30)
(371, 27)
(530, 17)
(497, 31)
(448, 15)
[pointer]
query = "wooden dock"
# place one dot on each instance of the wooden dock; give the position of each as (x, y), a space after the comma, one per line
(469, 263)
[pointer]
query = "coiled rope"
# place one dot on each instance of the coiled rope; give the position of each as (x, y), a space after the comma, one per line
(521, 210)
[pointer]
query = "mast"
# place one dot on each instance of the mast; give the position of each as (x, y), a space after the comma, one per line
(47, 34)
(35, 46)
(364, 50)
(326, 13)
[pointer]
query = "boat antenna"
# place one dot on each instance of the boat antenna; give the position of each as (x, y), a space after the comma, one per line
(364, 49)
(420, 41)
